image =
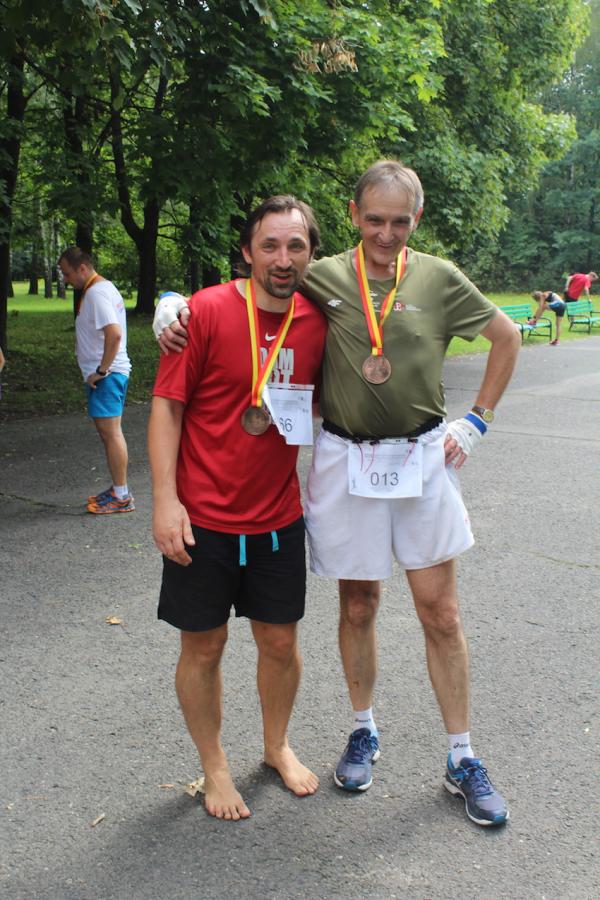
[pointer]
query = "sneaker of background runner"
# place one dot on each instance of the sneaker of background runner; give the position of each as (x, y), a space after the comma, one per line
(354, 770)
(103, 495)
(469, 780)
(109, 503)
(554, 343)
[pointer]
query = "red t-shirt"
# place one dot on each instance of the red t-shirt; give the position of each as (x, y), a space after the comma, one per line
(578, 282)
(229, 480)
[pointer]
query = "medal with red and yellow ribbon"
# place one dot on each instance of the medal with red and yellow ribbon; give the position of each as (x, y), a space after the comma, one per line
(376, 368)
(91, 280)
(256, 419)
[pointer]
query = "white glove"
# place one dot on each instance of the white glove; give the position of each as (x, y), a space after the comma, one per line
(168, 308)
(466, 433)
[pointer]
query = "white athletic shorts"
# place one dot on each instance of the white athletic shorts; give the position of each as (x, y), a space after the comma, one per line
(354, 537)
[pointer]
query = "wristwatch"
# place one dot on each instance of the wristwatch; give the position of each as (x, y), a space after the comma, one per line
(486, 414)
(101, 373)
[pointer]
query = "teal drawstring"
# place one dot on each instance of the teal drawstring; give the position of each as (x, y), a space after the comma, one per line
(274, 544)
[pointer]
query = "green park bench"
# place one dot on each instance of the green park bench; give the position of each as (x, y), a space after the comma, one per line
(520, 313)
(580, 312)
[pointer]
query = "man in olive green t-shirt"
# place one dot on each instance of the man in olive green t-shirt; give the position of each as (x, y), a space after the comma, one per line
(383, 482)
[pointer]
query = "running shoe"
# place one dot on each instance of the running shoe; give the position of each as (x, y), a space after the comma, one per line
(102, 496)
(110, 503)
(354, 770)
(554, 343)
(469, 780)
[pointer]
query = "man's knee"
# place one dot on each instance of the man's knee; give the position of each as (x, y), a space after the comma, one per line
(203, 648)
(277, 642)
(441, 618)
(359, 601)
(109, 429)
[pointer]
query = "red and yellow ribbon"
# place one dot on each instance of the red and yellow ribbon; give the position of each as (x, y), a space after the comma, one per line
(91, 280)
(375, 327)
(260, 374)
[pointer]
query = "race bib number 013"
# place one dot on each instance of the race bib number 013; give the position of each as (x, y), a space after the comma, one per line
(389, 471)
(290, 406)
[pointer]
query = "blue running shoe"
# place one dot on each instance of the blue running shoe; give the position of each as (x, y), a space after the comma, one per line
(354, 770)
(102, 496)
(483, 804)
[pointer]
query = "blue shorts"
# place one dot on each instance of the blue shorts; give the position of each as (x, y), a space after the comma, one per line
(558, 307)
(108, 399)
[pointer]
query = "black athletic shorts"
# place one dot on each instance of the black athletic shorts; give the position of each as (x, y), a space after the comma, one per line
(263, 576)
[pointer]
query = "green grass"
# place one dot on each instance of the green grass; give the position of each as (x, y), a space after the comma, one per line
(42, 376)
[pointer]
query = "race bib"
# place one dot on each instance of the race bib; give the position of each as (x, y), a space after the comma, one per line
(290, 406)
(389, 471)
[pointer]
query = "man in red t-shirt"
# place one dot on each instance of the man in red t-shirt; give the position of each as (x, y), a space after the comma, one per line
(227, 512)
(578, 284)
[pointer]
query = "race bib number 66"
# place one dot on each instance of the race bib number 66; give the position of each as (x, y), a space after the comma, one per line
(390, 471)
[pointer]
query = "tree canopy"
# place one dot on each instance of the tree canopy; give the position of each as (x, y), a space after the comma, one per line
(145, 130)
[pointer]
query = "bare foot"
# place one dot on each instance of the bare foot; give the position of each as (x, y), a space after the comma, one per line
(300, 780)
(221, 798)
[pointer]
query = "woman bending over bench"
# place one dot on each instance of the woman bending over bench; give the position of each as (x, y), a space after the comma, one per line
(549, 300)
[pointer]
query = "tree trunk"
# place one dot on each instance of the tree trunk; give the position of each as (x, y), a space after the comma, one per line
(34, 269)
(84, 240)
(194, 279)
(147, 259)
(237, 223)
(10, 148)
(61, 292)
(194, 262)
(210, 275)
(202, 274)
(46, 245)
(75, 120)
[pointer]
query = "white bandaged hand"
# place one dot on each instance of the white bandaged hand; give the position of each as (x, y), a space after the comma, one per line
(167, 311)
(467, 432)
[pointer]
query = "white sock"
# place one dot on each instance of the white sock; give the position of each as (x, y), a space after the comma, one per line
(364, 719)
(459, 746)
(121, 490)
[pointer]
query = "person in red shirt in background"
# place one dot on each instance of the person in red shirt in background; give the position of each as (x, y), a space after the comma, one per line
(579, 284)
(227, 512)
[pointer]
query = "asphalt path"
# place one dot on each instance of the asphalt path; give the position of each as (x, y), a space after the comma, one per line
(95, 756)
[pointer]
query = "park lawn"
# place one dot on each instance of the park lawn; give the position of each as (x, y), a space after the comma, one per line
(42, 376)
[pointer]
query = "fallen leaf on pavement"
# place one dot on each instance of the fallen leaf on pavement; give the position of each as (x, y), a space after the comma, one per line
(113, 620)
(196, 787)
(98, 820)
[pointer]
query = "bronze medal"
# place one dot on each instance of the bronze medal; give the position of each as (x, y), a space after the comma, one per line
(376, 369)
(255, 420)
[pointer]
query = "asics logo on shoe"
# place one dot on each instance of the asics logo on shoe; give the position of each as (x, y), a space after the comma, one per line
(456, 746)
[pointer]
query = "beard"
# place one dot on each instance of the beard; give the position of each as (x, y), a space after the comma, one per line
(276, 289)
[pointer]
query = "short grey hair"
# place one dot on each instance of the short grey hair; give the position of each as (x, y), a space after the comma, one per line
(388, 172)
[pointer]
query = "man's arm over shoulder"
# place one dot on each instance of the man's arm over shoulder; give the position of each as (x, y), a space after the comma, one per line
(171, 319)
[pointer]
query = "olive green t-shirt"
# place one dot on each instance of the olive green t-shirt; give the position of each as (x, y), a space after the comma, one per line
(434, 303)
